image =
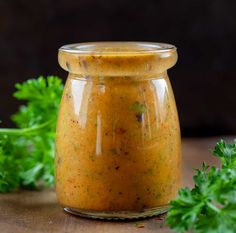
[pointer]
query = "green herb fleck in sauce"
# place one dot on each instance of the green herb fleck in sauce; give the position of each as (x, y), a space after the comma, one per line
(138, 107)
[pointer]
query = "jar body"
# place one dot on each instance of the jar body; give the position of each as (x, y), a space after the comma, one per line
(118, 147)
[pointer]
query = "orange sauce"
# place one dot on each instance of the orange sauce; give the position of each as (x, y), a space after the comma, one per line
(118, 137)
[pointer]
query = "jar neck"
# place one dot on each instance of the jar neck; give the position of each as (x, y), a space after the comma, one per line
(117, 79)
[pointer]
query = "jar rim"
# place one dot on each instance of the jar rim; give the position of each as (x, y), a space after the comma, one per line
(117, 47)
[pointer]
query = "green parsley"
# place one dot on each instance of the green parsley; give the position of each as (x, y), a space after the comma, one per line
(211, 205)
(27, 152)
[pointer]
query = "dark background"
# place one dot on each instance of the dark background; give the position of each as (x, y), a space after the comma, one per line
(204, 31)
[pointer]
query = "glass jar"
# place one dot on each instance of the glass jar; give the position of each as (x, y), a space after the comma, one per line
(118, 147)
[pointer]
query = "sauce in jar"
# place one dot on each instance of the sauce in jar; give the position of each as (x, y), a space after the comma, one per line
(118, 148)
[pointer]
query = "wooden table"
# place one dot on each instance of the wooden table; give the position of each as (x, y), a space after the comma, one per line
(38, 211)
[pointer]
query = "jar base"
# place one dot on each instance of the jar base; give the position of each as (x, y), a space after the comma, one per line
(117, 215)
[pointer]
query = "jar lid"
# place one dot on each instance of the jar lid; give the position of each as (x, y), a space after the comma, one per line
(117, 58)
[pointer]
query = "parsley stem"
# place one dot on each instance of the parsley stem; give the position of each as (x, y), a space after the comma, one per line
(213, 207)
(10, 131)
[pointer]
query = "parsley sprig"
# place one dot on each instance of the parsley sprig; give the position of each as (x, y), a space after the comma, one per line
(27, 152)
(211, 205)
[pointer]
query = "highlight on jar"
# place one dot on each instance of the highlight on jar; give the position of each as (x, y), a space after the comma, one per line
(118, 144)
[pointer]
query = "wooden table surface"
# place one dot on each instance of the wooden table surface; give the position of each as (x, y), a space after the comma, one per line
(38, 211)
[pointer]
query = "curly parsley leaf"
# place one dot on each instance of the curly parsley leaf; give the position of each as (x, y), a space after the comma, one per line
(211, 205)
(27, 152)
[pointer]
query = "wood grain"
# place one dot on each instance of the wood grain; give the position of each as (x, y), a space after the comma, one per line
(38, 211)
